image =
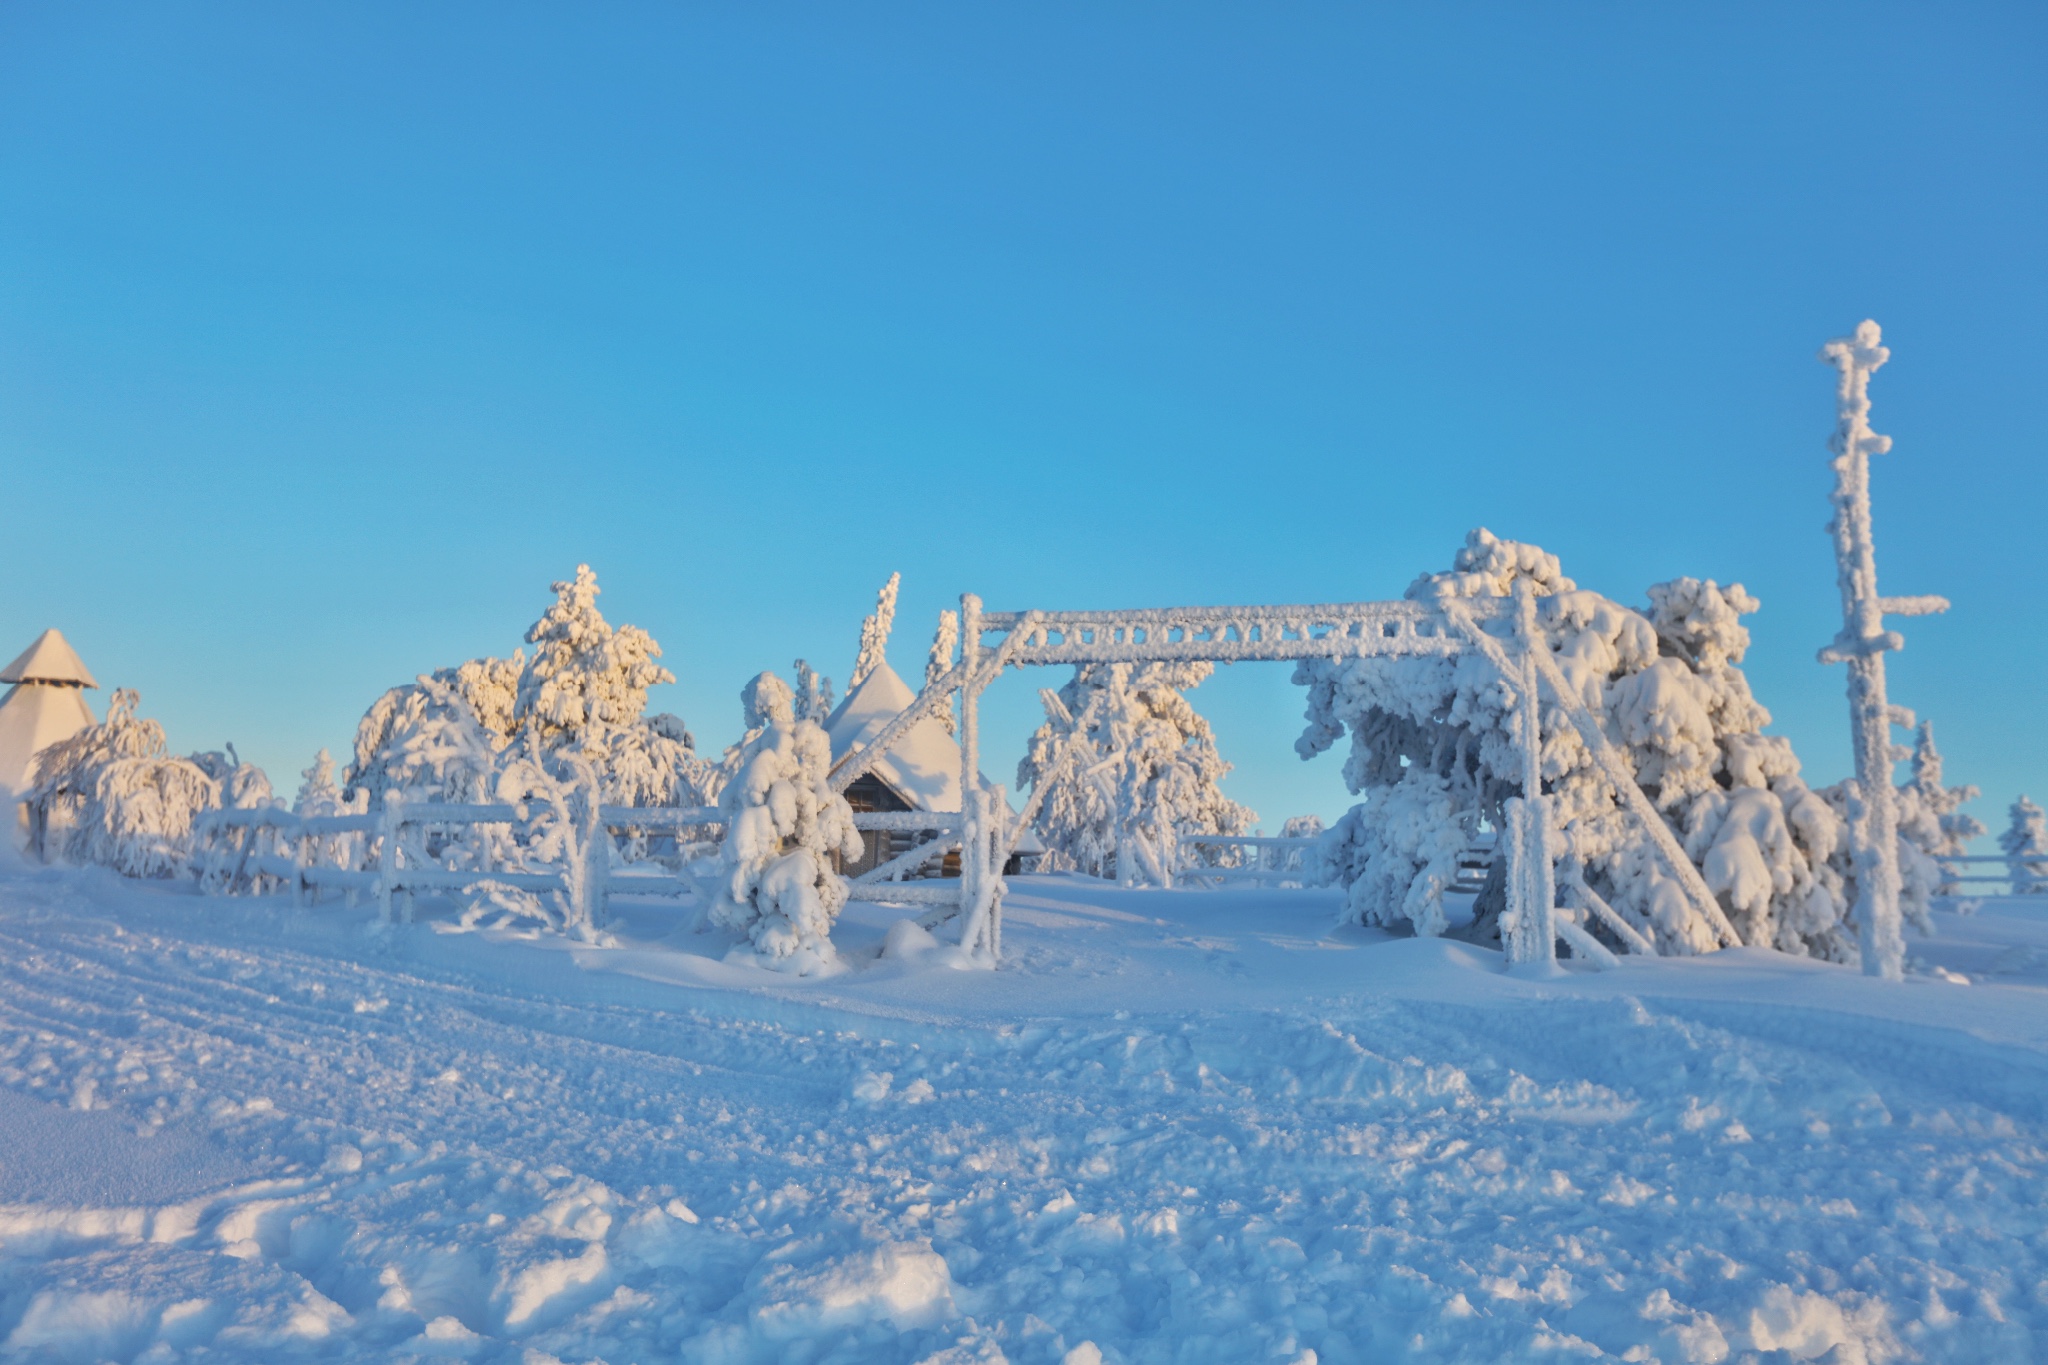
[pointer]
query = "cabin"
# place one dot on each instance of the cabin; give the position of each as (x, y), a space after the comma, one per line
(921, 772)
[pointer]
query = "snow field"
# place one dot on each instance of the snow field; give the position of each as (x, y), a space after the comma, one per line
(1225, 1133)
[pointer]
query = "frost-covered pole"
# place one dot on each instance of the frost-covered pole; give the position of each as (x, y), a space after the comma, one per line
(1873, 814)
(972, 841)
(1536, 919)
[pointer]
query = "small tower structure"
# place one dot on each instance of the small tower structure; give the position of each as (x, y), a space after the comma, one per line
(1862, 644)
(46, 704)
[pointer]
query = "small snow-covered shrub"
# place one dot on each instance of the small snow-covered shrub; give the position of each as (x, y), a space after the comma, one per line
(784, 826)
(1144, 772)
(113, 795)
(2025, 845)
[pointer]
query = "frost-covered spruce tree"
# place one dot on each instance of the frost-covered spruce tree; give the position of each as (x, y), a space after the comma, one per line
(784, 826)
(2025, 845)
(1433, 751)
(939, 662)
(1930, 827)
(813, 693)
(320, 795)
(1145, 774)
(112, 794)
(583, 692)
(874, 633)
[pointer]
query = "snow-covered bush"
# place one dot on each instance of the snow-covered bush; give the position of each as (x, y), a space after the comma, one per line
(1144, 772)
(113, 795)
(784, 826)
(1433, 750)
(2025, 845)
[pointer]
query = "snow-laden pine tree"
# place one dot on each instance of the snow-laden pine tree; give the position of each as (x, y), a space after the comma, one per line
(582, 695)
(585, 677)
(2025, 845)
(112, 794)
(785, 824)
(813, 693)
(1930, 826)
(1144, 773)
(320, 795)
(1433, 751)
(874, 633)
(945, 640)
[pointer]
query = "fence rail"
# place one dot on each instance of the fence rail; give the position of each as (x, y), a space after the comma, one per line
(292, 857)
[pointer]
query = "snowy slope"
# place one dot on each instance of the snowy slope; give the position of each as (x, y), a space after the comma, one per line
(1177, 1126)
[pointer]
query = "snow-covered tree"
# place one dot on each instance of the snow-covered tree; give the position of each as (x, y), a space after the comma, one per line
(1293, 859)
(112, 794)
(425, 741)
(1931, 826)
(813, 693)
(1433, 749)
(320, 795)
(243, 786)
(1145, 772)
(945, 640)
(874, 633)
(585, 678)
(582, 694)
(2025, 845)
(784, 826)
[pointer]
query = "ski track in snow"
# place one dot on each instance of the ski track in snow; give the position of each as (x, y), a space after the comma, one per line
(261, 1134)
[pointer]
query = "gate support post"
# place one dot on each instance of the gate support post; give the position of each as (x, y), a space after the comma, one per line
(973, 840)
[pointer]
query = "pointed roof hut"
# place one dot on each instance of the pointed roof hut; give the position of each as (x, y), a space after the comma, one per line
(46, 704)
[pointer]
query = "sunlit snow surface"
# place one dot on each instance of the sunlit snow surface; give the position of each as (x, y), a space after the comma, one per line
(1187, 1126)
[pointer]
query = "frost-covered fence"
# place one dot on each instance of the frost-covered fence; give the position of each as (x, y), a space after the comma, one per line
(1264, 860)
(2028, 881)
(406, 848)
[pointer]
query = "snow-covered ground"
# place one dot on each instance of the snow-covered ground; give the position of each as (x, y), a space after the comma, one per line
(1191, 1126)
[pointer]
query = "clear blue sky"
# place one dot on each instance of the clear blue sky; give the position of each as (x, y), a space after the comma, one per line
(329, 335)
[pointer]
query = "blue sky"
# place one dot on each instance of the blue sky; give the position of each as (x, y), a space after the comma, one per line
(329, 336)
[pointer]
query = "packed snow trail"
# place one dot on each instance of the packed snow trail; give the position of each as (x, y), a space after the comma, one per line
(232, 1131)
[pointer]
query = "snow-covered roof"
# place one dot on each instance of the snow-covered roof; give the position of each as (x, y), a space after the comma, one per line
(32, 716)
(923, 766)
(51, 659)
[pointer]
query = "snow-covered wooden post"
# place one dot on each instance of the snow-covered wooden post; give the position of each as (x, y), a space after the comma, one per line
(1873, 814)
(591, 854)
(1531, 881)
(387, 852)
(972, 832)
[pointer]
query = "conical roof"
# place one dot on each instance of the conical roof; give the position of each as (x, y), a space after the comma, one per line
(51, 659)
